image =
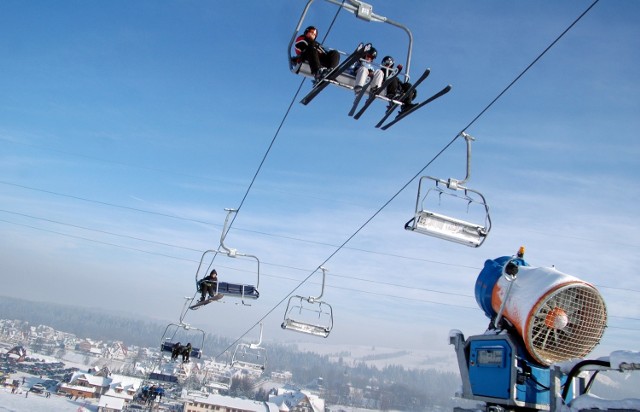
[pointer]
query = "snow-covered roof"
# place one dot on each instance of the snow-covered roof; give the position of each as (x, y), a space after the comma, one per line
(289, 397)
(111, 402)
(588, 402)
(234, 403)
(77, 388)
(91, 379)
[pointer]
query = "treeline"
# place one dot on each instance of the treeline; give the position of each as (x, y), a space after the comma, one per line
(392, 387)
(82, 322)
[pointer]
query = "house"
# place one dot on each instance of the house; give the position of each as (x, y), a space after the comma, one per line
(110, 404)
(201, 403)
(123, 387)
(86, 385)
(18, 353)
(117, 351)
(290, 399)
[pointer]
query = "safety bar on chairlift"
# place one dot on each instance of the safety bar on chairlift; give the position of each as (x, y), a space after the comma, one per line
(363, 11)
(452, 183)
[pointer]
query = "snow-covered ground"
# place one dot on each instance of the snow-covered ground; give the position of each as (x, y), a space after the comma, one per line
(381, 356)
(17, 402)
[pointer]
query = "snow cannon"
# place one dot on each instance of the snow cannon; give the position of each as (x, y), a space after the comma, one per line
(558, 316)
(539, 317)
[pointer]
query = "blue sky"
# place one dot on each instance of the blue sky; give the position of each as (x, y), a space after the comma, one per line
(127, 128)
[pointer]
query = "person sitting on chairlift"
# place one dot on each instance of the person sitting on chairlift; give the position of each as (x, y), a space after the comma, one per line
(363, 70)
(176, 350)
(208, 284)
(396, 89)
(186, 353)
(320, 60)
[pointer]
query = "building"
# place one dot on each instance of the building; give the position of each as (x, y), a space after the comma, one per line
(110, 404)
(290, 399)
(220, 403)
(86, 385)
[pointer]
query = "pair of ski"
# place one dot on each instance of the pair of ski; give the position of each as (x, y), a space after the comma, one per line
(358, 53)
(394, 103)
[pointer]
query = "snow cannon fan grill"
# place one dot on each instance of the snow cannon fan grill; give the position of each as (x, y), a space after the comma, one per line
(558, 316)
(567, 323)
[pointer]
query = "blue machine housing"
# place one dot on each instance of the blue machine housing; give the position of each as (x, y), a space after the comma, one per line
(487, 279)
(495, 370)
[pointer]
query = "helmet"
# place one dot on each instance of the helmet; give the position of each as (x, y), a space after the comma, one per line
(373, 53)
(388, 61)
(308, 29)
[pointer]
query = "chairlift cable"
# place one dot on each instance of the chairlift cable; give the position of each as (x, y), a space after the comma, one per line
(531, 64)
(266, 263)
(419, 172)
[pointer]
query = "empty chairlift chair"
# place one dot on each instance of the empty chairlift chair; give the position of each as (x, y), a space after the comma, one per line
(309, 315)
(250, 356)
(428, 221)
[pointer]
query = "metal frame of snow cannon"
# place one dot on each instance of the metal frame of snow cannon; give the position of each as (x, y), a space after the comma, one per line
(361, 10)
(446, 227)
(298, 324)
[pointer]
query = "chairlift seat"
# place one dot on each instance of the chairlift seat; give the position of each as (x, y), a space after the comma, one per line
(310, 329)
(163, 377)
(238, 290)
(345, 79)
(448, 228)
(244, 355)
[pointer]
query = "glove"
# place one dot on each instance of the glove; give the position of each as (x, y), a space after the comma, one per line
(399, 68)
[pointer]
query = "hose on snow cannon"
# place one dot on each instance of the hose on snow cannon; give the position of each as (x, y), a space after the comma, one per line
(559, 317)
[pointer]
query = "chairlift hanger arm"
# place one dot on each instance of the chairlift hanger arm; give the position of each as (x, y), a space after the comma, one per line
(312, 299)
(257, 345)
(234, 252)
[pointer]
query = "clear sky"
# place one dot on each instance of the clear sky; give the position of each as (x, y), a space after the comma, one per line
(127, 127)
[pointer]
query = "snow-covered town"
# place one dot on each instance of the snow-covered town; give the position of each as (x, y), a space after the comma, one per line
(80, 374)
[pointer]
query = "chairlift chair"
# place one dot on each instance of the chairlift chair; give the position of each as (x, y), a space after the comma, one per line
(218, 379)
(362, 11)
(171, 337)
(228, 289)
(309, 315)
(445, 227)
(250, 356)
